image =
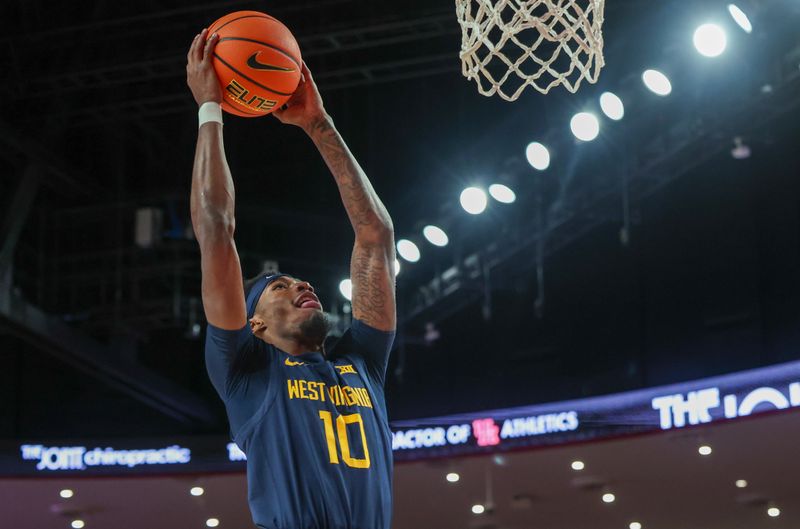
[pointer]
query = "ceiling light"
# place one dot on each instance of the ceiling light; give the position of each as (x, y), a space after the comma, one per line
(704, 450)
(657, 82)
(740, 150)
(452, 477)
(741, 483)
(478, 508)
(196, 491)
(635, 525)
(77, 524)
(502, 193)
(212, 522)
(538, 156)
(431, 335)
(578, 465)
(584, 126)
(740, 18)
(473, 200)
(435, 235)
(612, 106)
(346, 288)
(66, 493)
(609, 498)
(710, 40)
(408, 250)
(773, 512)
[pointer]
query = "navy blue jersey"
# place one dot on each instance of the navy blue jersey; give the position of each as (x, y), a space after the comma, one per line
(314, 427)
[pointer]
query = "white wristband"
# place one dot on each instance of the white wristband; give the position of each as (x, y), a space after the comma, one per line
(209, 111)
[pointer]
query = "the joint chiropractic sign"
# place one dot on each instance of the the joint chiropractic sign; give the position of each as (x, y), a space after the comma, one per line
(81, 457)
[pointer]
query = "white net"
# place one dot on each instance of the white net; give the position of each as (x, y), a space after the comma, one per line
(508, 45)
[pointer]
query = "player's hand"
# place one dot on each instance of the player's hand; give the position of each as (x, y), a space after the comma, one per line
(305, 106)
(200, 74)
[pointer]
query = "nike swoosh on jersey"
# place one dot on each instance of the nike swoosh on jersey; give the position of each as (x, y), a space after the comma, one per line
(293, 363)
(253, 63)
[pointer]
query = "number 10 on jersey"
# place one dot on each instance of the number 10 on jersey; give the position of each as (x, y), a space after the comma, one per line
(341, 432)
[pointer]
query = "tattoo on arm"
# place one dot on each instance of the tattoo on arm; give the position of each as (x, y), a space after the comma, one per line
(372, 262)
(373, 284)
(363, 206)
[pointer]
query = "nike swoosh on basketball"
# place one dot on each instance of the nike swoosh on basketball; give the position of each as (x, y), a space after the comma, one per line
(253, 63)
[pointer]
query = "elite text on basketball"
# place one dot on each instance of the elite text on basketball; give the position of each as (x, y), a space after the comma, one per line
(239, 94)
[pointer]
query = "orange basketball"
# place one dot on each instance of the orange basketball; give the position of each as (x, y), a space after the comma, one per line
(257, 61)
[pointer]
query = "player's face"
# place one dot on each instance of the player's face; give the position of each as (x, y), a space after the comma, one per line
(287, 304)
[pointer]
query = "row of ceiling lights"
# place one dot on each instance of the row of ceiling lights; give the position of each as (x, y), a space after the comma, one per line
(80, 524)
(709, 40)
(473, 200)
(453, 477)
(609, 497)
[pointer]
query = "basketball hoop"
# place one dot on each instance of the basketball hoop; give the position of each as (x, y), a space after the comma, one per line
(508, 45)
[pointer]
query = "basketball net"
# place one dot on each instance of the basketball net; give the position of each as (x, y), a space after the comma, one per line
(508, 45)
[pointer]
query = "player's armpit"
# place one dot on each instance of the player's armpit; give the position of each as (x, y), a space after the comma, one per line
(223, 292)
(372, 274)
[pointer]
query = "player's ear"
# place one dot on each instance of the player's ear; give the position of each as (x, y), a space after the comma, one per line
(257, 325)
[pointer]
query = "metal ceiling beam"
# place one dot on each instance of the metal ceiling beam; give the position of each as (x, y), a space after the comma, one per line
(16, 216)
(392, 35)
(145, 20)
(336, 79)
(81, 77)
(52, 335)
(64, 181)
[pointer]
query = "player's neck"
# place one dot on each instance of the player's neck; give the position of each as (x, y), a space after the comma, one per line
(295, 347)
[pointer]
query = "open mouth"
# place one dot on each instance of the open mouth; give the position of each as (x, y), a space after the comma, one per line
(308, 301)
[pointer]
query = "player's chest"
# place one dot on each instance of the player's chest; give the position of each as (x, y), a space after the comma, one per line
(329, 384)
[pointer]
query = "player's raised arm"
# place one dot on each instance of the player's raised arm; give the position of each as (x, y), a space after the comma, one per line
(212, 199)
(372, 262)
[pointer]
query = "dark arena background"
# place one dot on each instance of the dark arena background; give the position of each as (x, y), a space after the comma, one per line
(612, 342)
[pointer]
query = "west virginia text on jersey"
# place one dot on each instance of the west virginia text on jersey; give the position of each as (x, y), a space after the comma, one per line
(338, 395)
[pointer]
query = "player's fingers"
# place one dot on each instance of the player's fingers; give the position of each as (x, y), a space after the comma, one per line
(191, 52)
(210, 45)
(306, 73)
(296, 98)
(201, 41)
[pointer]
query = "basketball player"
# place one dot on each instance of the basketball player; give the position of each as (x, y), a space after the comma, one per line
(312, 422)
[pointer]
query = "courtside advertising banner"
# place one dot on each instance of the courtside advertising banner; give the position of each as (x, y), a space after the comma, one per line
(676, 406)
(654, 409)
